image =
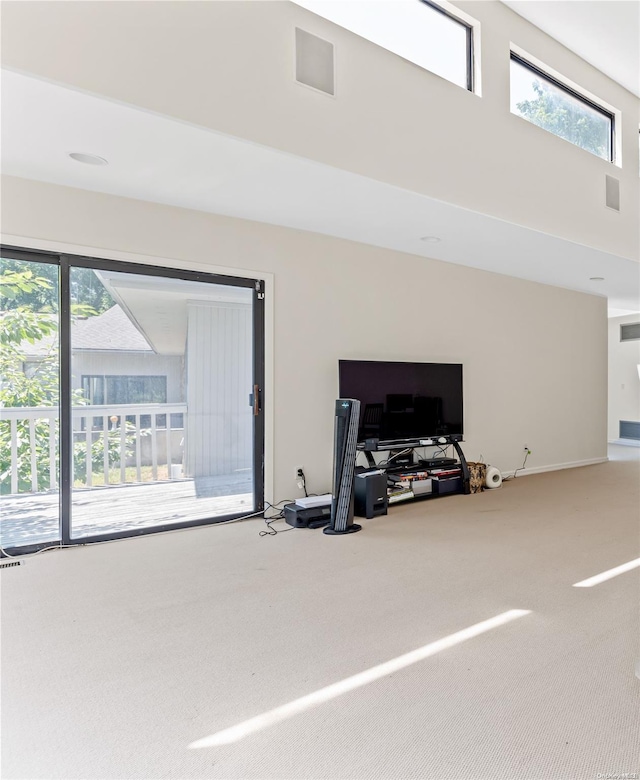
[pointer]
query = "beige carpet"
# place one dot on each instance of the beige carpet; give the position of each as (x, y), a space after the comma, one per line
(116, 657)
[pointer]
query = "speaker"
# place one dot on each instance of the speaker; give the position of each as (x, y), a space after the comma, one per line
(345, 440)
(612, 193)
(370, 494)
(314, 62)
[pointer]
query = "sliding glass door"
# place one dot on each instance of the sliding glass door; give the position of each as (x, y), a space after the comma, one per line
(160, 420)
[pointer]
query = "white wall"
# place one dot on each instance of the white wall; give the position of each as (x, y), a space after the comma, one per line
(535, 357)
(229, 66)
(624, 382)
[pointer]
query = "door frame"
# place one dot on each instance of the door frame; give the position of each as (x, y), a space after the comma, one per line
(65, 261)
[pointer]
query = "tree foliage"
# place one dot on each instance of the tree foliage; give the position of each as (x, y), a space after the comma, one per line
(565, 116)
(29, 316)
(19, 325)
(86, 288)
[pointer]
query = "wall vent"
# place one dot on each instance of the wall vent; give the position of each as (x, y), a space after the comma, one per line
(630, 331)
(629, 430)
(612, 187)
(315, 62)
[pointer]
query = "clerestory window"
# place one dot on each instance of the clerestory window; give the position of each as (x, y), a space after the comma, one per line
(421, 31)
(546, 102)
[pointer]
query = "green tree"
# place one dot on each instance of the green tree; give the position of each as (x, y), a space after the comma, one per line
(566, 117)
(86, 288)
(20, 324)
(27, 317)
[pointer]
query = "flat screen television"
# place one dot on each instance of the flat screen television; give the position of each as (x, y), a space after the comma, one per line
(404, 400)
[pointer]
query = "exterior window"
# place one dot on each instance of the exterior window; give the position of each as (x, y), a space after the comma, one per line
(125, 389)
(113, 390)
(547, 103)
(421, 32)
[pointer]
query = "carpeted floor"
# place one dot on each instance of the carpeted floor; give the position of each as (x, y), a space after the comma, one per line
(117, 657)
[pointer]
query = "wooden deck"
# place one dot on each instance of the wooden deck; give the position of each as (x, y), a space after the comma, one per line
(33, 518)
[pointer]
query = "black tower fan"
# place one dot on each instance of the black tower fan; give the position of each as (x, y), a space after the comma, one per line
(345, 440)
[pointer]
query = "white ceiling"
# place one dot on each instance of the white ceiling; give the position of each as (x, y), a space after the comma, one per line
(605, 33)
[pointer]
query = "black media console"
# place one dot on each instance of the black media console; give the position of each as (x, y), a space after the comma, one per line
(400, 478)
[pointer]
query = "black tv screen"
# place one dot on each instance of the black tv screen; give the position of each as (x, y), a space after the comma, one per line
(404, 400)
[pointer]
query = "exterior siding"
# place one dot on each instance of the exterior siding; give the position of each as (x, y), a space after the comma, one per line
(219, 377)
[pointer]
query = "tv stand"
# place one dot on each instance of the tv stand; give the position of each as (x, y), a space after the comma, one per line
(439, 476)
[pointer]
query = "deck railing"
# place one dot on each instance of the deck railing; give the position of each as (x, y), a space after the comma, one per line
(112, 444)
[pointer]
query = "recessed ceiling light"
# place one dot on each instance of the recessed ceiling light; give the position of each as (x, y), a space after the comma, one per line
(431, 239)
(88, 159)
(596, 278)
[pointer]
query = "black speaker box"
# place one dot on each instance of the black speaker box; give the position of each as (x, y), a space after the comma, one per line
(370, 494)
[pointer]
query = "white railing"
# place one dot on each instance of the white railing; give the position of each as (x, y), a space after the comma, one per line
(112, 435)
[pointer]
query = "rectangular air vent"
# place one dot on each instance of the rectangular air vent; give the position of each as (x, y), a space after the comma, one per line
(314, 62)
(9, 564)
(612, 187)
(630, 331)
(629, 430)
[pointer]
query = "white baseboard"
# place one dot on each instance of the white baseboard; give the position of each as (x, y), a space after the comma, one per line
(554, 467)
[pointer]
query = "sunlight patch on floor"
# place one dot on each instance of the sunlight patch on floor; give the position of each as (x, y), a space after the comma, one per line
(607, 575)
(277, 715)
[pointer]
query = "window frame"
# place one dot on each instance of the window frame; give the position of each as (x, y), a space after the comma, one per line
(65, 262)
(514, 56)
(469, 29)
(471, 26)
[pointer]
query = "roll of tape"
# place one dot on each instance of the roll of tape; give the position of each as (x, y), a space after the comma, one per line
(494, 477)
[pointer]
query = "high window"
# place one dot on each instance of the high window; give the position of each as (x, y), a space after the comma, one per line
(417, 30)
(546, 102)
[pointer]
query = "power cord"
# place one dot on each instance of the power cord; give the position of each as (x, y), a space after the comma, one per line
(442, 450)
(395, 455)
(269, 531)
(515, 473)
(427, 452)
(4, 554)
(301, 481)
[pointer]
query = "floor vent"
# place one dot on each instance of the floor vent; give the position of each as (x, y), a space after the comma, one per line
(314, 62)
(629, 430)
(8, 564)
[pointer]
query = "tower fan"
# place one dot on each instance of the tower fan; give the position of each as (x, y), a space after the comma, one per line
(345, 440)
